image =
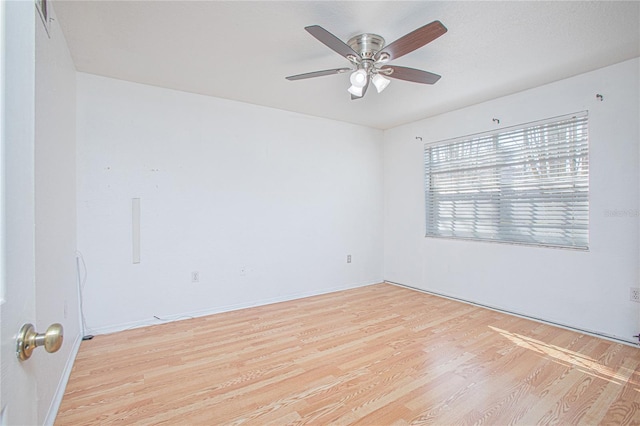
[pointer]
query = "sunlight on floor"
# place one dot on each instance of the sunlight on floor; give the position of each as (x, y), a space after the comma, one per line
(585, 364)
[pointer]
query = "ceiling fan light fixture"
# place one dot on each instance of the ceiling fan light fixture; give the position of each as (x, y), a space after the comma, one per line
(359, 78)
(355, 91)
(380, 82)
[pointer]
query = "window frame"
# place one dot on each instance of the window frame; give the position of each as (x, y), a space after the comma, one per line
(508, 234)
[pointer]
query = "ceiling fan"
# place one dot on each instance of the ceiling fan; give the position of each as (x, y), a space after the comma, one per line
(369, 56)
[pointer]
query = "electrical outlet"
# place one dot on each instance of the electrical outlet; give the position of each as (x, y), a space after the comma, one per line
(348, 258)
(243, 271)
(195, 277)
(634, 294)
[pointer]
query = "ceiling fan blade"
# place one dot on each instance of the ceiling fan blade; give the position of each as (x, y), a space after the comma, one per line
(331, 41)
(317, 74)
(414, 40)
(410, 74)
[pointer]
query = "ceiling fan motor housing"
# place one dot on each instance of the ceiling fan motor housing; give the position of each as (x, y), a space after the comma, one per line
(366, 45)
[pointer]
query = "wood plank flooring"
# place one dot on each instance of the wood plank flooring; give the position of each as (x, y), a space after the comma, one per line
(376, 355)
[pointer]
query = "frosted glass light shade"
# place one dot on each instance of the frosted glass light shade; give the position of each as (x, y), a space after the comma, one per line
(355, 91)
(359, 78)
(380, 82)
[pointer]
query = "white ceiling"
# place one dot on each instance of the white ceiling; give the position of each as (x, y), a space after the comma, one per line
(242, 50)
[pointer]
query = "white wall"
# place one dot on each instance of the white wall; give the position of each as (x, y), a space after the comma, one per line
(588, 290)
(264, 204)
(55, 211)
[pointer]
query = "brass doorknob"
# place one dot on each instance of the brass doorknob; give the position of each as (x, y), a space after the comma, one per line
(28, 340)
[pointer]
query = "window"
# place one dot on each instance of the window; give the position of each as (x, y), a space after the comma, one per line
(525, 184)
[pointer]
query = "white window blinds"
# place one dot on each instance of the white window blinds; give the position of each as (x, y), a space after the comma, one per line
(525, 184)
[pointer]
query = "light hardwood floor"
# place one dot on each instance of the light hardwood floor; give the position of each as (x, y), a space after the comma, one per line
(376, 355)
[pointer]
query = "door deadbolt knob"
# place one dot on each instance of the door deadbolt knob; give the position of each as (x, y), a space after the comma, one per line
(28, 339)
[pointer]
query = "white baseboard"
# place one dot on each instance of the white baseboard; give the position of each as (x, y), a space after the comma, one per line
(62, 384)
(220, 309)
(617, 339)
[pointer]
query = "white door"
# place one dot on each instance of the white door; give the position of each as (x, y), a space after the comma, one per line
(17, 264)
